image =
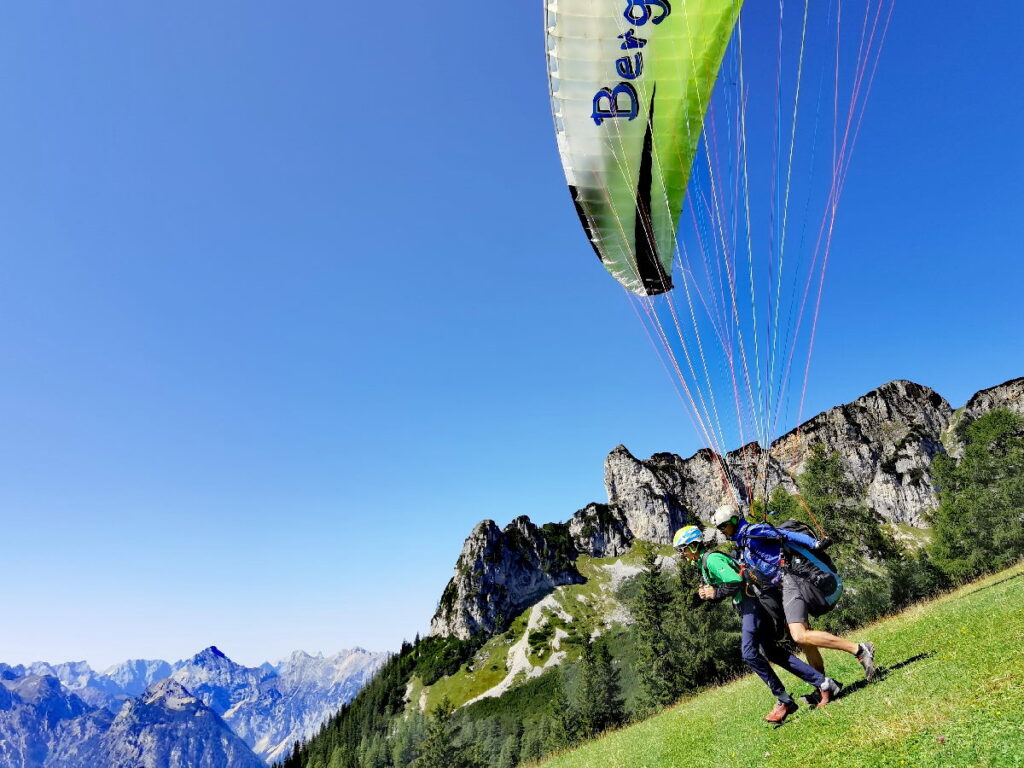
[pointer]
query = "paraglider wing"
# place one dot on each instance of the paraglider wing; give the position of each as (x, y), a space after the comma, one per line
(630, 82)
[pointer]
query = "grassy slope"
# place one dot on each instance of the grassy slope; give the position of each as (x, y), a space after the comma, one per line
(590, 602)
(953, 696)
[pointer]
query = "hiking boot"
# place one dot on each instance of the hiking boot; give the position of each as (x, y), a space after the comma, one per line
(828, 692)
(781, 711)
(866, 657)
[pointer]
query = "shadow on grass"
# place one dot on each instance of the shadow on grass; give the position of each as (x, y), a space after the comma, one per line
(883, 672)
(989, 586)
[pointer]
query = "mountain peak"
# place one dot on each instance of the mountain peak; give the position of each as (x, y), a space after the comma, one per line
(48, 696)
(168, 691)
(212, 656)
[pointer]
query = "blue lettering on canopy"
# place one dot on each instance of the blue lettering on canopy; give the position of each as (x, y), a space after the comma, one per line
(629, 41)
(630, 70)
(614, 109)
(644, 7)
(608, 101)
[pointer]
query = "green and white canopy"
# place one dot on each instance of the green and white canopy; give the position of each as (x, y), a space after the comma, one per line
(630, 84)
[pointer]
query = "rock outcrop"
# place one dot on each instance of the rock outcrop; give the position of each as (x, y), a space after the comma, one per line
(886, 441)
(1009, 395)
(600, 530)
(501, 572)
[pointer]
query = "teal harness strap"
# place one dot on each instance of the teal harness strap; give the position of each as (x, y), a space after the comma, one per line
(705, 574)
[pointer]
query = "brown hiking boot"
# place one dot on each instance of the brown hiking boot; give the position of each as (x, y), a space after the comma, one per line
(781, 712)
(829, 690)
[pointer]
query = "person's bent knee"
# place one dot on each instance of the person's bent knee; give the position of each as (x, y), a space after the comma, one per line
(797, 632)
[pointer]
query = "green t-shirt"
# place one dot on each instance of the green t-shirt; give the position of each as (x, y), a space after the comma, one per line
(718, 569)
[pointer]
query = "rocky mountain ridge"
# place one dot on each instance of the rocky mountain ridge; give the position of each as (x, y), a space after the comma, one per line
(886, 441)
(68, 715)
(44, 725)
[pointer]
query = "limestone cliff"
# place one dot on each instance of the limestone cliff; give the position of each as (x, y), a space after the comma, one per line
(501, 572)
(886, 441)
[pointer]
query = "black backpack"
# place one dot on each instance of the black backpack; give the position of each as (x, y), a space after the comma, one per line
(817, 578)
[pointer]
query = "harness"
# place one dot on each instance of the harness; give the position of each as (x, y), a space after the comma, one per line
(815, 574)
(750, 588)
(753, 573)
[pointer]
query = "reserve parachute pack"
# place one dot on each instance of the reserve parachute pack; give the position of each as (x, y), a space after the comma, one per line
(819, 582)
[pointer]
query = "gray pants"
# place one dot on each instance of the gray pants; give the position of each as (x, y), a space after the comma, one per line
(793, 603)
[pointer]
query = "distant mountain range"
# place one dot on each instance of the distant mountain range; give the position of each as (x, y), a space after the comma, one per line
(202, 712)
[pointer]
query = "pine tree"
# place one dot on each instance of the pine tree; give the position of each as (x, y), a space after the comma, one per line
(294, 760)
(509, 755)
(612, 711)
(375, 754)
(587, 692)
(439, 748)
(705, 635)
(408, 735)
(979, 525)
(510, 748)
(598, 699)
(563, 726)
(532, 748)
(839, 509)
(657, 666)
(492, 738)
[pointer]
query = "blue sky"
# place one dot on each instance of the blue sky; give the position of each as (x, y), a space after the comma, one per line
(293, 297)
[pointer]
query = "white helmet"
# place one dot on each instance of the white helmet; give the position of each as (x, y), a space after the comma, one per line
(724, 514)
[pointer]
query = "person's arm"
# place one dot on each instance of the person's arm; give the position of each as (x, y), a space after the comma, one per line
(725, 580)
(795, 537)
(771, 533)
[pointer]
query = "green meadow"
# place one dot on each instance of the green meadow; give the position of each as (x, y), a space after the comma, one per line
(950, 692)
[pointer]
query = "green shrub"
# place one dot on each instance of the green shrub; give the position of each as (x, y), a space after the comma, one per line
(979, 525)
(440, 656)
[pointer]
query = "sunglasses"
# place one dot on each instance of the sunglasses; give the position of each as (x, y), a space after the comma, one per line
(691, 548)
(730, 521)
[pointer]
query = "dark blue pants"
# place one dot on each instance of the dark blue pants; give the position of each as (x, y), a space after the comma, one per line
(759, 648)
